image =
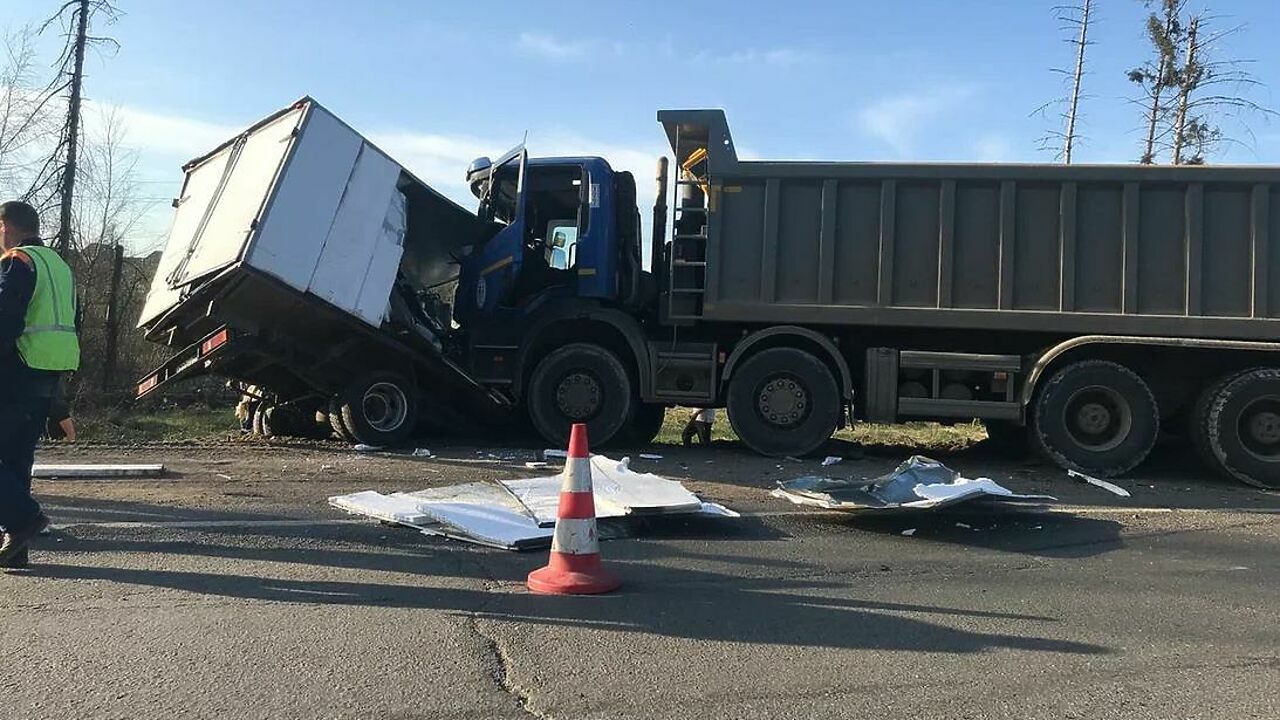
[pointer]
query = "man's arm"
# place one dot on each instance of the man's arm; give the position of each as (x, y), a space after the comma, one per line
(17, 283)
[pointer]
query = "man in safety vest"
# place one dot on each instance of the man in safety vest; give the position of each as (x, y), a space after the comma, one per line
(38, 343)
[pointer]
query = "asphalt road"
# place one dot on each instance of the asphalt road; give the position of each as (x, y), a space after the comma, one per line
(229, 589)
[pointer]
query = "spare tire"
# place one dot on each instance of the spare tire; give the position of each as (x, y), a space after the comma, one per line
(380, 408)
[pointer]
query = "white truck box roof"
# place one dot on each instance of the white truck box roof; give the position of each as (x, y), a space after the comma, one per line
(299, 196)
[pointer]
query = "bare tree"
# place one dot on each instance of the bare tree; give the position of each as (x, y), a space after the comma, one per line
(1210, 90)
(109, 207)
(58, 175)
(1075, 20)
(1158, 76)
(26, 117)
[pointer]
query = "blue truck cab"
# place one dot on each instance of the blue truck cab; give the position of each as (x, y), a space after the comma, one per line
(556, 236)
(564, 258)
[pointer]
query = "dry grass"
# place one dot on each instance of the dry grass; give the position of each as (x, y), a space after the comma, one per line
(126, 425)
(923, 436)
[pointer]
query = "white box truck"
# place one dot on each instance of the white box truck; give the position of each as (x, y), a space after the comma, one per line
(301, 256)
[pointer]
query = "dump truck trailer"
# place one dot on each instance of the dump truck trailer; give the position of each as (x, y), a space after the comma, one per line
(1082, 309)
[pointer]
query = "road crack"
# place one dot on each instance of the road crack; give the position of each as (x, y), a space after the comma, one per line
(500, 670)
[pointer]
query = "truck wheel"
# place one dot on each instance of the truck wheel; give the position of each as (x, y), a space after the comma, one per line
(646, 424)
(1198, 421)
(580, 383)
(336, 424)
(1243, 427)
(784, 401)
(260, 421)
(380, 409)
(1097, 417)
(275, 422)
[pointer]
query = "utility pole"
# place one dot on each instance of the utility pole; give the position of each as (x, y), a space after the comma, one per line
(63, 242)
(1077, 80)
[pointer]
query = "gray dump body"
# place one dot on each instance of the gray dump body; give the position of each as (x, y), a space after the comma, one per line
(1119, 249)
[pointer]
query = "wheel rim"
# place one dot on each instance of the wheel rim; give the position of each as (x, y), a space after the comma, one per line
(1098, 418)
(579, 396)
(385, 406)
(783, 401)
(1259, 428)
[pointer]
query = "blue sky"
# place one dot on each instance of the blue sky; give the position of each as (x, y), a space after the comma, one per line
(437, 83)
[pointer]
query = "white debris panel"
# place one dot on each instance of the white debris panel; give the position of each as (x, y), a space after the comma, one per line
(521, 514)
(917, 484)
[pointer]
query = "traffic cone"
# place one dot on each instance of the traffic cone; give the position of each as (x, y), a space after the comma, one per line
(574, 568)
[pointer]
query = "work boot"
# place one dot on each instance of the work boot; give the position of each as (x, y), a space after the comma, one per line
(20, 560)
(14, 540)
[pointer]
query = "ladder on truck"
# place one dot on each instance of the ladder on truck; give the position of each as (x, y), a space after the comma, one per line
(687, 257)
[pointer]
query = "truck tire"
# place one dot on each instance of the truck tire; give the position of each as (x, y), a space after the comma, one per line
(260, 421)
(336, 424)
(275, 422)
(580, 383)
(645, 425)
(1097, 417)
(1198, 421)
(1243, 428)
(784, 401)
(379, 409)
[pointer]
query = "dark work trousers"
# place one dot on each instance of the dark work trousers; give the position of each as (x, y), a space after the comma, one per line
(21, 422)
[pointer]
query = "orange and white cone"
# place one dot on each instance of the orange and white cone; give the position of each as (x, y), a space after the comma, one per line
(575, 568)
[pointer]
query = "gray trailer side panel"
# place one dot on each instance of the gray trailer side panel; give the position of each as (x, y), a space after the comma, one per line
(1188, 257)
(1181, 251)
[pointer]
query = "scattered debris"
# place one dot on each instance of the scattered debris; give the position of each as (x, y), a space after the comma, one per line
(361, 447)
(832, 460)
(535, 464)
(917, 484)
(520, 514)
(96, 471)
(1109, 487)
(650, 456)
(793, 459)
(225, 476)
(909, 532)
(964, 526)
(422, 453)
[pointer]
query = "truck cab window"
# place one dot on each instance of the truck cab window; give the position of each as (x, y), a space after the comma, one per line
(562, 244)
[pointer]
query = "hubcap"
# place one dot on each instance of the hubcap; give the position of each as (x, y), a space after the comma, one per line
(385, 406)
(1098, 418)
(579, 397)
(783, 402)
(1259, 428)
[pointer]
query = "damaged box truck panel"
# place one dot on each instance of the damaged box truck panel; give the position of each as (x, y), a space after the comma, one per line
(304, 199)
(300, 257)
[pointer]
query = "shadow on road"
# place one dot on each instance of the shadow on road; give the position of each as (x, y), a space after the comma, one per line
(707, 606)
(770, 601)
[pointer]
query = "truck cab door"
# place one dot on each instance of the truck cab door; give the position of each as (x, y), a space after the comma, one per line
(487, 277)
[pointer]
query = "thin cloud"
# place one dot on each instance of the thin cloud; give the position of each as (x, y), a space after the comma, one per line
(993, 148)
(776, 57)
(547, 47)
(898, 120)
(174, 136)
